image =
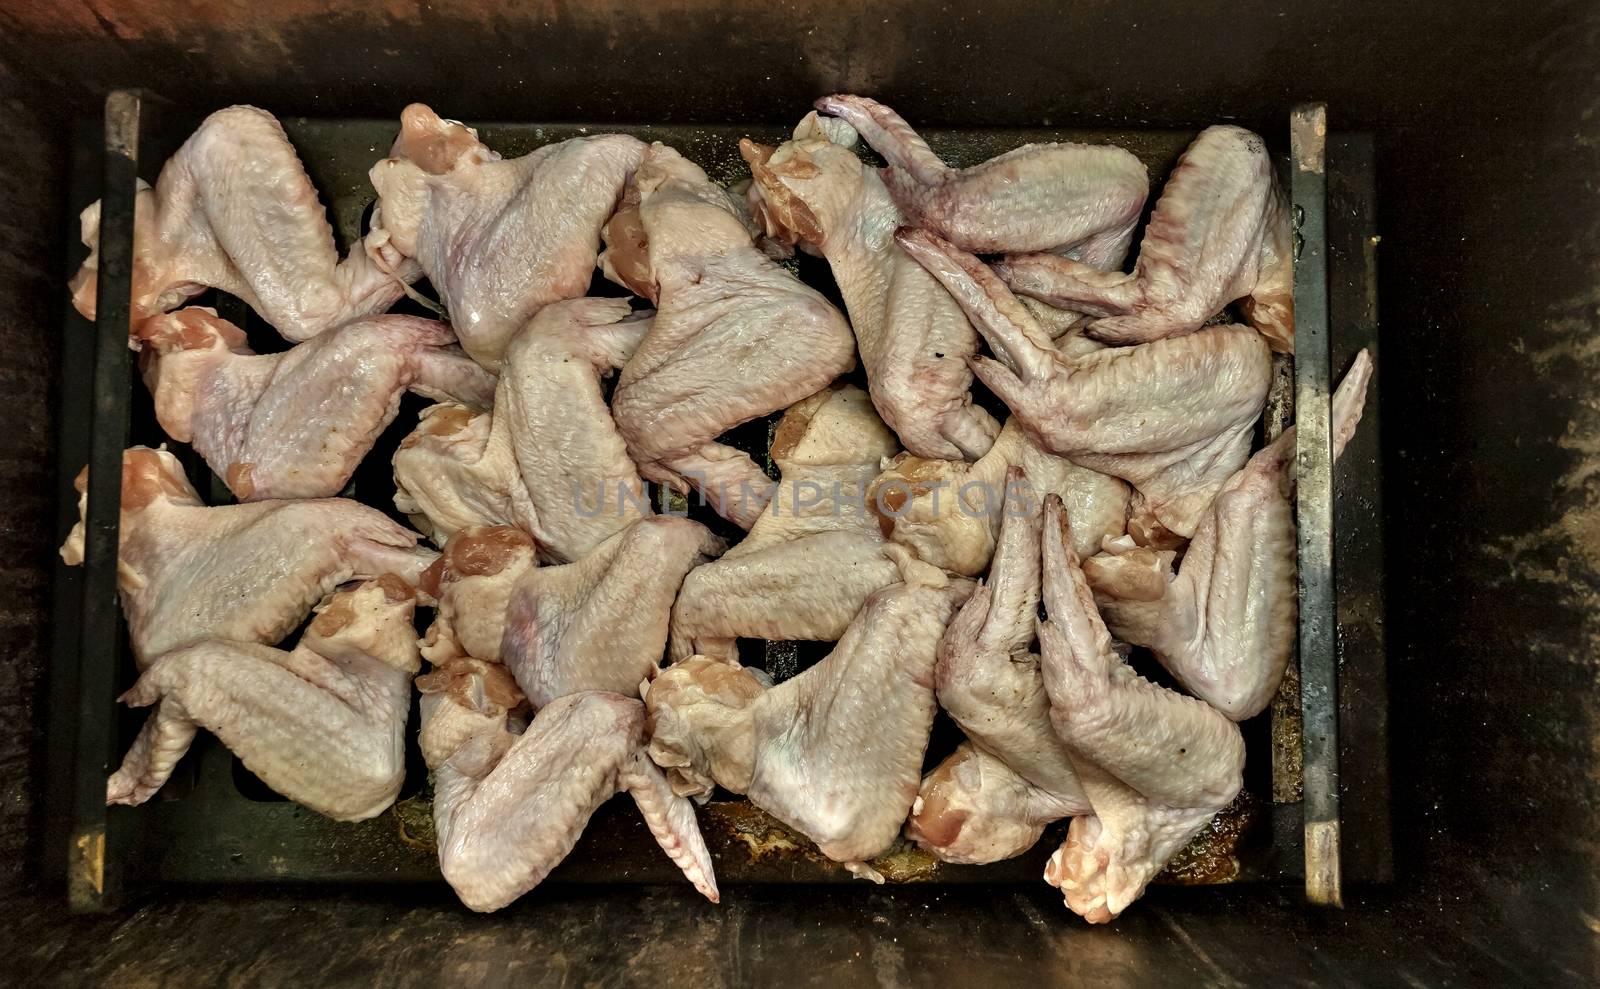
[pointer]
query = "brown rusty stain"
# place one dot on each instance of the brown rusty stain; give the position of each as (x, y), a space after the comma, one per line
(1288, 730)
(86, 878)
(1308, 133)
(1212, 856)
(768, 840)
(413, 820)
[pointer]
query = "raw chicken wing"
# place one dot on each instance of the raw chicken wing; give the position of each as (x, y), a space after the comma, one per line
(914, 340)
(295, 424)
(1219, 233)
(508, 808)
(549, 459)
(323, 724)
(601, 623)
(471, 583)
(815, 554)
(1014, 775)
(1224, 623)
(1079, 198)
(949, 511)
(1155, 764)
(242, 573)
(1173, 417)
(836, 752)
(973, 809)
(234, 210)
(734, 336)
(498, 239)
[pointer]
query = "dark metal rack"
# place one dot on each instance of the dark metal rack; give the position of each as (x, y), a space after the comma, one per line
(214, 824)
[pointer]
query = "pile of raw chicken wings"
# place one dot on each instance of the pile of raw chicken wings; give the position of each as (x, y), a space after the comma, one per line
(584, 634)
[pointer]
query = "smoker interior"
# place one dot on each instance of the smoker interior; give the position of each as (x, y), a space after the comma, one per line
(1486, 271)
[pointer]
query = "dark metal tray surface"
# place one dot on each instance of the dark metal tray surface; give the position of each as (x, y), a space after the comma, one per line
(215, 823)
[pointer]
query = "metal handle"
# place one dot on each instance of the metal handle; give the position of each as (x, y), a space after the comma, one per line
(91, 880)
(1319, 674)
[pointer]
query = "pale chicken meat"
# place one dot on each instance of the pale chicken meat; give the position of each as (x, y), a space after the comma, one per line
(242, 573)
(1156, 765)
(498, 239)
(973, 809)
(471, 583)
(913, 339)
(835, 752)
(948, 512)
(1223, 624)
(734, 335)
(1173, 417)
(816, 553)
(600, 623)
(323, 724)
(1078, 199)
(457, 470)
(295, 424)
(508, 808)
(463, 700)
(1014, 775)
(549, 459)
(1219, 234)
(234, 210)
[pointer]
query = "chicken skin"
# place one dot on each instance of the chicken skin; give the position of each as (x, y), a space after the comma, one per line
(295, 424)
(601, 623)
(498, 239)
(1219, 233)
(1223, 624)
(973, 809)
(720, 303)
(992, 798)
(508, 807)
(1081, 200)
(323, 724)
(240, 573)
(1156, 765)
(771, 585)
(549, 458)
(471, 584)
(948, 512)
(234, 210)
(835, 752)
(1173, 417)
(914, 340)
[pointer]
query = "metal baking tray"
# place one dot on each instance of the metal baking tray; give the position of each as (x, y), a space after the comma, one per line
(1297, 819)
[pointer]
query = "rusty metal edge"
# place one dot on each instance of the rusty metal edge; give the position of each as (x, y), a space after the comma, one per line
(1319, 690)
(91, 867)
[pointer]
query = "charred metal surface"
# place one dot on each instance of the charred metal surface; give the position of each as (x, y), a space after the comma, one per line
(92, 868)
(1284, 712)
(835, 937)
(1358, 513)
(1213, 854)
(1319, 672)
(214, 834)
